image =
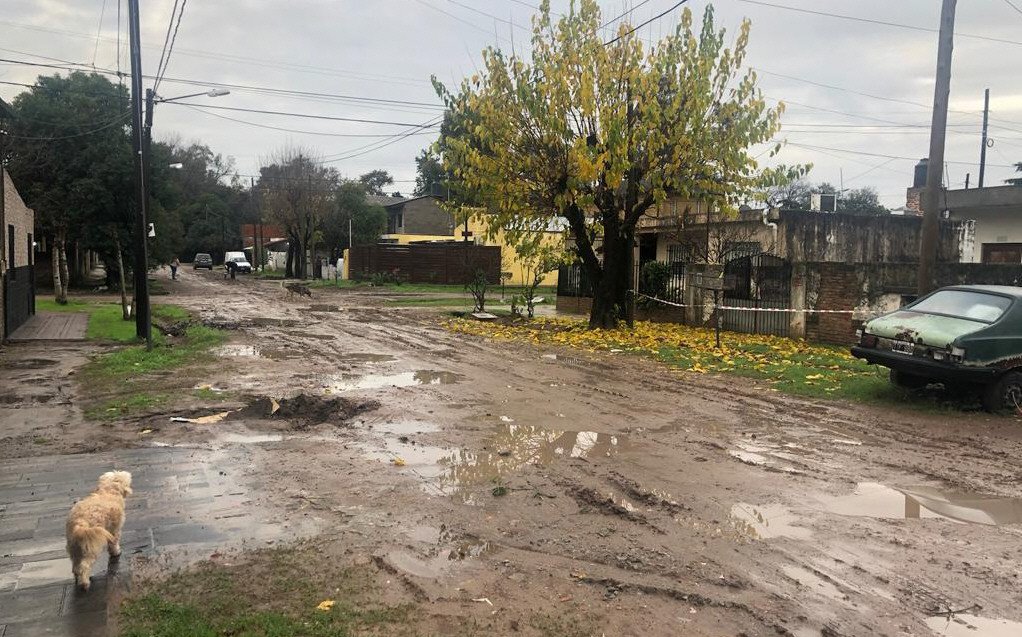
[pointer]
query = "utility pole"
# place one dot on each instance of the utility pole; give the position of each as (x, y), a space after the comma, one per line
(143, 326)
(983, 148)
(938, 129)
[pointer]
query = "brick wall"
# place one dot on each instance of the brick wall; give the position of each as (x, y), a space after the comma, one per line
(21, 217)
(574, 304)
(839, 289)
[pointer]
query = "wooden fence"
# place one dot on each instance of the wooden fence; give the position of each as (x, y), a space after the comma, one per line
(448, 263)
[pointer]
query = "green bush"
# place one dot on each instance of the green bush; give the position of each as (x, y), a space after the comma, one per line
(653, 279)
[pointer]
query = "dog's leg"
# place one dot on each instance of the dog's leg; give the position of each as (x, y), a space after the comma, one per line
(81, 569)
(114, 546)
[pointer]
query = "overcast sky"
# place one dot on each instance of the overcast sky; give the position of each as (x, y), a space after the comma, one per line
(387, 49)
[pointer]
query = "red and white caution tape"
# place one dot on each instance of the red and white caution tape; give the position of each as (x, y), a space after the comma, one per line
(749, 309)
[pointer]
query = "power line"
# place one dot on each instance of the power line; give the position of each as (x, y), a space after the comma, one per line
(613, 20)
(364, 150)
(488, 15)
(166, 41)
(99, 31)
(1014, 6)
(294, 130)
(639, 26)
(291, 114)
(173, 39)
(239, 59)
(868, 154)
(899, 25)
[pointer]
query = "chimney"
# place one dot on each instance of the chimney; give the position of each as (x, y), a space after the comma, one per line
(919, 180)
(914, 195)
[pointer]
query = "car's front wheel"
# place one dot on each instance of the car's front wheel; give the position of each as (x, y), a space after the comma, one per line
(908, 381)
(1004, 393)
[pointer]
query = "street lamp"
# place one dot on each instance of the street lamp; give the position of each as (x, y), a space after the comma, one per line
(143, 316)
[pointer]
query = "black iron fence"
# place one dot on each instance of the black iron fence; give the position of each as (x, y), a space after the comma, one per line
(670, 289)
(572, 281)
(757, 284)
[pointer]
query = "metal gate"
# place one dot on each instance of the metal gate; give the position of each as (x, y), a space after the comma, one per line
(19, 297)
(757, 282)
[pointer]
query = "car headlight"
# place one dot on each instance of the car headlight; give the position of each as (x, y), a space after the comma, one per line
(939, 355)
(957, 353)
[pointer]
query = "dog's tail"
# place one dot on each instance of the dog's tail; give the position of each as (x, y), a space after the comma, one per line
(94, 538)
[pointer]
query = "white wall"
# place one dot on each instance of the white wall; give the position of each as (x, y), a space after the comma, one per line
(993, 226)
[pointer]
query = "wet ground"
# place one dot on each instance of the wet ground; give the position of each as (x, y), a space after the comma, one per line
(577, 485)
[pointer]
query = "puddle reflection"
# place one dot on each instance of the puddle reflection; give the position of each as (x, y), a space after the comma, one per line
(765, 522)
(871, 499)
(972, 626)
(349, 382)
(457, 472)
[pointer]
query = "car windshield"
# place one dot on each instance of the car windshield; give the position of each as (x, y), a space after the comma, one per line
(975, 306)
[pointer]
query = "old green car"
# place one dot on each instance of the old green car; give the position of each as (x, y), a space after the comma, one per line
(965, 336)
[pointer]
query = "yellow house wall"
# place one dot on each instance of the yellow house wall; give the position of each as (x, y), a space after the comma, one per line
(509, 258)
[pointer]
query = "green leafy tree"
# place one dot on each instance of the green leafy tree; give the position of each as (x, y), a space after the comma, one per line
(375, 181)
(69, 151)
(367, 221)
(430, 176)
(597, 134)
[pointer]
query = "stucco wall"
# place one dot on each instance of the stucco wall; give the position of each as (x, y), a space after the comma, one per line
(994, 226)
(424, 216)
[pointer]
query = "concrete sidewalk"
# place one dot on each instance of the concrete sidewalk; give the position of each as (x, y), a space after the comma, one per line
(186, 504)
(52, 326)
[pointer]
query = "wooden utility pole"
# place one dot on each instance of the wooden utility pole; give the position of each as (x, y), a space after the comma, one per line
(143, 329)
(983, 148)
(935, 170)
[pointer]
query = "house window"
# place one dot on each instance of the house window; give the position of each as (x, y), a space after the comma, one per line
(678, 254)
(1002, 253)
(400, 220)
(738, 249)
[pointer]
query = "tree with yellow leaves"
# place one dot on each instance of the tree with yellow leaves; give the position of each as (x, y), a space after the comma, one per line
(597, 133)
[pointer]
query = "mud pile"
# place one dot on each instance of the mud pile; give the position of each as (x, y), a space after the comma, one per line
(305, 410)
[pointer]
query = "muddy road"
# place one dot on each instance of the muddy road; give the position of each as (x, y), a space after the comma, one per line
(631, 498)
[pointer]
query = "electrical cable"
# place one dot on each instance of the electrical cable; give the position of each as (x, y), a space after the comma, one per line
(166, 40)
(911, 27)
(294, 130)
(173, 40)
(291, 114)
(99, 31)
(639, 26)
(613, 20)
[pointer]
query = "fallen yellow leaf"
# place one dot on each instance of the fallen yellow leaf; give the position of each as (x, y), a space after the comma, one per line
(326, 605)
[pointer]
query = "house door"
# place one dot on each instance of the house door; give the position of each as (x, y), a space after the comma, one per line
(1002, 253)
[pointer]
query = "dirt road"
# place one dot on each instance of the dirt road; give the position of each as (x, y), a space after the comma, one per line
(607, 490)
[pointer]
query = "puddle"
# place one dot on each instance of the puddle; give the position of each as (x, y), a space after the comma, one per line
(768, 455)
(366, 357)
(972, 626)
(349, 382)
(248, 438)
(457, 472)
(872, 499)
(765, 522)
(237, 350)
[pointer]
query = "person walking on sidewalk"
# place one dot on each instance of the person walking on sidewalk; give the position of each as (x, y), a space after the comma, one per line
(174, 265)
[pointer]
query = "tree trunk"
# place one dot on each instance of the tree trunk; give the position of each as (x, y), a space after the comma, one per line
(125, 310)
(55, 260)
(289, 268)
(63, 273)
(611, 285)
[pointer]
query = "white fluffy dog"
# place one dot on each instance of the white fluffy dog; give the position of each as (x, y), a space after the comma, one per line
(95, 522)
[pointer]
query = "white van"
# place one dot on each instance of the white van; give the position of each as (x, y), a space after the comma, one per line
(239, 261)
